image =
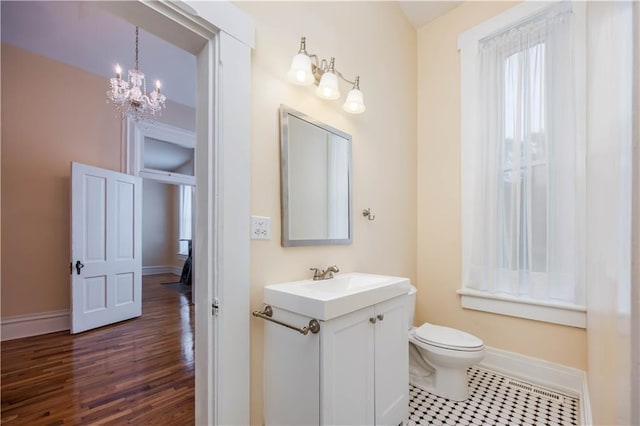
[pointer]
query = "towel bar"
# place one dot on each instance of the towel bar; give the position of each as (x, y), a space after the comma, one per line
(267, 314)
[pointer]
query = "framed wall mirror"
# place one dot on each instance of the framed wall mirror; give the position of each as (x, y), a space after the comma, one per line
(316, 182)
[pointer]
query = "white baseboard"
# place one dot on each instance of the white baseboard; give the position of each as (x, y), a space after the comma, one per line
(164, 269)
(585, 404)
(28, 325)
(567, 380)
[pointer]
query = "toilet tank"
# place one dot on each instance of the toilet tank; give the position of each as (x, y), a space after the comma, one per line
(411, 309)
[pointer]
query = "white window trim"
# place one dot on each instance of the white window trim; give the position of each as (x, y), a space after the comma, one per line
(557, 313)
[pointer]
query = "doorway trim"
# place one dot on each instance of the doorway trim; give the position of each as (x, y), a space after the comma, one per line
(221, 36)
(133, 150)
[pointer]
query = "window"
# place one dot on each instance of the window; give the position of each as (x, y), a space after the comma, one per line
(523, 185)
(185, 217)
(522, 167)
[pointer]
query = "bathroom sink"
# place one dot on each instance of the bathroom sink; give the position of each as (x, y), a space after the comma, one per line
(327, 299)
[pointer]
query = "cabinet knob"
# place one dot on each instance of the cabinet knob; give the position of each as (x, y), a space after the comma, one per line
(380, 317)
(372, 320)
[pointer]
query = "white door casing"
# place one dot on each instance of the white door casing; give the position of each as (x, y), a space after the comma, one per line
(133, 149)
(106, 267)
(221, 36)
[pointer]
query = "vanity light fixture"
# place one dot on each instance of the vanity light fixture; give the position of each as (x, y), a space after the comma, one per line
(304, 72)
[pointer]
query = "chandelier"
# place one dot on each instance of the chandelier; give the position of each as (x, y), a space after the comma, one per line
(130, 97)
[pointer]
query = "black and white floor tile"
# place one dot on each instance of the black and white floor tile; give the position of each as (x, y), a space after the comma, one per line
(492, 401)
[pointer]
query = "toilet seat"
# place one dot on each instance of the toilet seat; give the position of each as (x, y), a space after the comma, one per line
(447, 338)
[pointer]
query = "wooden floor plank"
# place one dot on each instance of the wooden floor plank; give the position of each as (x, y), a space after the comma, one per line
(139, 371)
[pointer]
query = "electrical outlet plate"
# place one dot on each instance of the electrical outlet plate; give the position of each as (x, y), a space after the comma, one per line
(260, 228)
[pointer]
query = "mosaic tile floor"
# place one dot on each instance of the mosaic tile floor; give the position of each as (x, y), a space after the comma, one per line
(493, 401)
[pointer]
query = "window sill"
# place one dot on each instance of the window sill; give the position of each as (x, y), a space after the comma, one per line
(556, 313)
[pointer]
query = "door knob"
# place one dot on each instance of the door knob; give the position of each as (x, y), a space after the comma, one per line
(79, 265)
(380, 317)
(372, 320)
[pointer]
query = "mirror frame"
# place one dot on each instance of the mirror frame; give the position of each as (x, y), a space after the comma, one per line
(285, 113)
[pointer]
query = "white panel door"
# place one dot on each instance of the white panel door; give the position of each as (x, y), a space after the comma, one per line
(106, 266)
(347, 372)
(392, 362)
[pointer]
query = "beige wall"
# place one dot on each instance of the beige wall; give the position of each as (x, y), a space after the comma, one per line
(374, 40)
(52, 114)
(179, 115)
(44, 128)
(439, 233)
(159, 222)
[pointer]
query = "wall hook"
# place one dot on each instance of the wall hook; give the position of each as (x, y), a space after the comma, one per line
(367, 213)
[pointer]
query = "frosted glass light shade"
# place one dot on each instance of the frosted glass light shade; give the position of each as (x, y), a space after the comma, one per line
(354, 103)
(328, 87)
(300, 72)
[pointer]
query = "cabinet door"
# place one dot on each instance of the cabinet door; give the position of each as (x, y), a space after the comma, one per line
(391, 362)
(347, 364)
(291, 373)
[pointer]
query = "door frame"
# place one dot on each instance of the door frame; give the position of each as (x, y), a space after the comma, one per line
(221, 36)
(133, 138)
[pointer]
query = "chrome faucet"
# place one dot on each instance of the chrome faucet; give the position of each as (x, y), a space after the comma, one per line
(319, 274)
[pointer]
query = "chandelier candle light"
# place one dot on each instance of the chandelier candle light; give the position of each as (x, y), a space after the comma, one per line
(130, 97)
(304, 73)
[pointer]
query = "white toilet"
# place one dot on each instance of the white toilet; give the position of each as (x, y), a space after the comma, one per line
(440, 356)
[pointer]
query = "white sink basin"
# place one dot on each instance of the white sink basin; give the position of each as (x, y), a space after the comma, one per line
(327, 299)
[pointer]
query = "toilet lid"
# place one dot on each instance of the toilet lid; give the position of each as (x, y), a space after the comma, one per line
(448, 338)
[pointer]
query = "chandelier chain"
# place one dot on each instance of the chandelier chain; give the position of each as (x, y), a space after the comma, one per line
(136, 48)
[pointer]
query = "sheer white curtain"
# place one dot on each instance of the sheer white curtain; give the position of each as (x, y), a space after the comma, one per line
(524, 180)
(185, 217)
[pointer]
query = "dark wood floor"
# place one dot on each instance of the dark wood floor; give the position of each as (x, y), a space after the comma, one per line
(139, 371)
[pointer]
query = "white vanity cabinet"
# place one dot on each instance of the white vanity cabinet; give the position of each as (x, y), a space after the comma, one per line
(353, 372)
(364, 366)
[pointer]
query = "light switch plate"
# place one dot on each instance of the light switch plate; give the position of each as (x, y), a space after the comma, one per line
(260, 228)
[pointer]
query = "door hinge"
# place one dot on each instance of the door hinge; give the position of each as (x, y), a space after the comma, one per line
(215, 307)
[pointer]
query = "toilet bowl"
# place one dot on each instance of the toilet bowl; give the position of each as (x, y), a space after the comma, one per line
(440, 356)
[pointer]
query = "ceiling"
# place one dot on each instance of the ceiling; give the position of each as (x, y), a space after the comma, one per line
(84, 36)
(171, 157)
(424, 11)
